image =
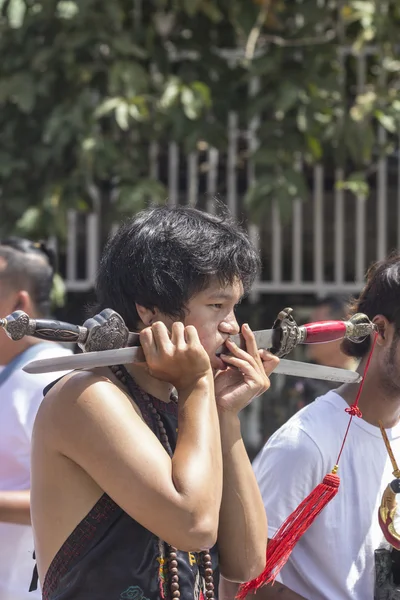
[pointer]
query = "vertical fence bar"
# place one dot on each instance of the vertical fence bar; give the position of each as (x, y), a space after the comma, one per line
(233, 135)
(193, 177)
(398, 195)
(360, 237)
(173, 174)
(212, 179)
(276, 243)
(381, 248)
(253, 144)
(339, 229)
(153, 160)
(72, 239)
(318, 227)
(92, 247)
(297, 244)
(297, 236)
(361, 199)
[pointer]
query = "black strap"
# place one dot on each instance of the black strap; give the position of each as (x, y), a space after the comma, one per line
(35, 576)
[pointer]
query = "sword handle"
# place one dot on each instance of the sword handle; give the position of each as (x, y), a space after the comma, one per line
(356, 329)
(105, 331)
(19, 324)
(287, 334)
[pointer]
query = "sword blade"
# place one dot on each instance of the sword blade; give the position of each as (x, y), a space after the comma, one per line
(263, 339)
(122, 356)
(311, 371)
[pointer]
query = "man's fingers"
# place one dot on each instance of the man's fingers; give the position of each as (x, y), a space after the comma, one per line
(191, 335)
(269, 361)
(160, 335)
(242, 354)
(243, 365)
(147, 341)
(251, 344)
(178, 334)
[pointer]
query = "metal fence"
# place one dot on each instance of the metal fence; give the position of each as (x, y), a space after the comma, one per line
(325, 246)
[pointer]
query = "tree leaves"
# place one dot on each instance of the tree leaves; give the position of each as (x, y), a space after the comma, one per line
(85, 86)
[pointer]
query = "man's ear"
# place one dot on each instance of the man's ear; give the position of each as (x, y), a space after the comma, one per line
(383, 326)
(23, 302)
(146, 315)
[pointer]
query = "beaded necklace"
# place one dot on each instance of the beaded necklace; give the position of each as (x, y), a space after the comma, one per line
(172, 559)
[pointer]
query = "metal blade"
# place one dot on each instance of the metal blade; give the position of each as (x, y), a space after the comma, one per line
(107, 358)
(86, 360)
(263, 339)
(309, 370)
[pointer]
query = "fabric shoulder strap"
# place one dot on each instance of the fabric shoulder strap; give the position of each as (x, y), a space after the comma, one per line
(22, 359)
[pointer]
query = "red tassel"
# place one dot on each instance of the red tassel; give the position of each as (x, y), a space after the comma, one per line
(287, 536)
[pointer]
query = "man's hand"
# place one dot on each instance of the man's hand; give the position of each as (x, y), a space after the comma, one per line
(247, 374)
(178, 358)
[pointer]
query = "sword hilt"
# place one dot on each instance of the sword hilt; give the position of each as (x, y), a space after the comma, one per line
(288, 334)
(105, 331)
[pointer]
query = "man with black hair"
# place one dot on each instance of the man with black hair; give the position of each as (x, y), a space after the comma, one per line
(338, 557)
(26, 277)
(141, 485)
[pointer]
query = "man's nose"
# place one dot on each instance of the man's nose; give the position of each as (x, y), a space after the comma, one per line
(229, 325)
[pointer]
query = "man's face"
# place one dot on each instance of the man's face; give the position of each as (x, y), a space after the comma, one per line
(211, 311)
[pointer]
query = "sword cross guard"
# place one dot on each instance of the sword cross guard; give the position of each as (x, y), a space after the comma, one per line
(287, 334)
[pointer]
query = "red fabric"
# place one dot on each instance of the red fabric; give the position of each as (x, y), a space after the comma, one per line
(287, 536)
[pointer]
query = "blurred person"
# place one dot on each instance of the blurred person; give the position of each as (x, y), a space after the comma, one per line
(26, 277)
(141, 485)
(344, 554)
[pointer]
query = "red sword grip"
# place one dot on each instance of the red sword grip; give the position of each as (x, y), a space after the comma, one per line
(324, 331)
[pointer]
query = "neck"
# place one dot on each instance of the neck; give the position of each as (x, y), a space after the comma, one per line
(157, 388)
(377, 402)
(9, 349)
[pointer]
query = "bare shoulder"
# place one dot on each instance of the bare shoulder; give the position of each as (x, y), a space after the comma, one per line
(78, 400)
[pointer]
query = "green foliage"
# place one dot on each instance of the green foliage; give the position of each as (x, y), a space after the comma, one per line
(85, 86)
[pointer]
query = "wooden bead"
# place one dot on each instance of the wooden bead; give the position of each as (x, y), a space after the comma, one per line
(210, 594)
(174, 564)
(174, 587)
(176, 594)
(208, 572)
(174, 578)
(209, 586)
(173, 571)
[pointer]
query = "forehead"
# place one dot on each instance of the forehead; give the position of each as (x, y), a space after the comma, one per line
(217, 290)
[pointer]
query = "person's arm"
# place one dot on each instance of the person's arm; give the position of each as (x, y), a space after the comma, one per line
(15, 507)
(277, 591)
(95, 425)
(242, 534)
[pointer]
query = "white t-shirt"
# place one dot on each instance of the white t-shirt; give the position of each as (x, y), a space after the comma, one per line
(334, 559)
(20, 398)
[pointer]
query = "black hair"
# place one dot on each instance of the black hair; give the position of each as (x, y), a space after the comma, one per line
(165, 255)
(29, 266)
(380, 296)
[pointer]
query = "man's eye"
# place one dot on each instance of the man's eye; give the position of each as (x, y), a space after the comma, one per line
(216, 305)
